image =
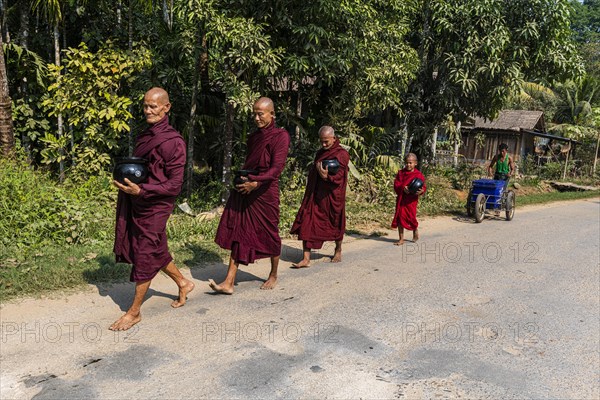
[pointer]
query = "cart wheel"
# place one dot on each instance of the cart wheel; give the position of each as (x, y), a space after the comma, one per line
(480, 207)
(470, 204)
(510, 205)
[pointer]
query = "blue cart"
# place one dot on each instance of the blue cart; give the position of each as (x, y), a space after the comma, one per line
(490, 194)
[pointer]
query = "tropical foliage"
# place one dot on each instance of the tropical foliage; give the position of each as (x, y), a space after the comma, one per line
(385, 74)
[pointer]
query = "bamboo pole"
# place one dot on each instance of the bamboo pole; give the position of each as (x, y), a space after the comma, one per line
(567, 161)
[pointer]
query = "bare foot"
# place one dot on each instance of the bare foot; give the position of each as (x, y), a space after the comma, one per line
(399, 242)
(301, 264)
(269, 283)
(415, 236)
(183, 292)
(125, 322)
(337, 257)
(222, 289)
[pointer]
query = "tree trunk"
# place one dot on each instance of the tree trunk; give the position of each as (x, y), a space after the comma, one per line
(404, 139)
(596, 154)
(23, 41)
(64, 34)
(7, 139)
(61, 164)
(130, 26)
(191, 137)
(130, 47)
(227, 149)
(119, 8)
(298, 115)
(23, 34)
(204, 77)
(200, 64)
(564, 175)
(4, 31)
(434, 143)
(409, 143)
(165, 10)
(456, 144)
(171, 15)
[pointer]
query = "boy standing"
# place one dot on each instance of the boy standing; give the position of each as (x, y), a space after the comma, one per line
(406, 204)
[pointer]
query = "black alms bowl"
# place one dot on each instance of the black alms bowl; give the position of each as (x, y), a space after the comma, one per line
(332, 166)
(237, 180)
(415, 185)
(133, 168)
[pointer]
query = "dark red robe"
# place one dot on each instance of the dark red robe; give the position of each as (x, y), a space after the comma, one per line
(406, 204)
(322, 215)
(140, 232)
(249, 226)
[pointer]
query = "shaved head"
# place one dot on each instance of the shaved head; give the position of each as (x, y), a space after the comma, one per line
(159, 94)
(265, 103)
(326, 130)
(264, 112)
(156, 105)
(410, 161)
(327, 137)
(412, 156)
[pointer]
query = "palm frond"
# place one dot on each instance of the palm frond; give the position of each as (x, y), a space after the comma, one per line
(27, 58)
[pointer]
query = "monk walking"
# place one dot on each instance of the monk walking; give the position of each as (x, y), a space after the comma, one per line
(405, 216)
(322, 215)
(249, 226)
(143, 210)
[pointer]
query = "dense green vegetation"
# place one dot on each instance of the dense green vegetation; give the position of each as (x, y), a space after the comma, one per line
(385, 74)
(60, 237)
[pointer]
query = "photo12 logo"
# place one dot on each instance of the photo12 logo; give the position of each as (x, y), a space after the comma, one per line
(453, 332)
(290, 332)
(70, 332)
(453, 252)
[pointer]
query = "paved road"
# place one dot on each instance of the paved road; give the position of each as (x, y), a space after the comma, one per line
(492, 310)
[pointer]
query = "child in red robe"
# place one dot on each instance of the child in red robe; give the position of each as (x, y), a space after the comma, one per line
(406, 204)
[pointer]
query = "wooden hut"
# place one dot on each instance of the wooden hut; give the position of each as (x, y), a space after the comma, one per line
(516, 128)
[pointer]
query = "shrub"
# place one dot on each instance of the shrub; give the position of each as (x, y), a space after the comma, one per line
(464, 174)
(375, 186)
(37, 211)
(552, 170)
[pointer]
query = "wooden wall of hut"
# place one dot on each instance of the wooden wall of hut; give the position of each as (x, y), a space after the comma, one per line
(519, 144)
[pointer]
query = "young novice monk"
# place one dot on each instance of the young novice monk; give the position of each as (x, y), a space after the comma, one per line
(406, 204)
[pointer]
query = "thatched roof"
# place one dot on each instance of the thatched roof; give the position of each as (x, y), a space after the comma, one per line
(512, 120)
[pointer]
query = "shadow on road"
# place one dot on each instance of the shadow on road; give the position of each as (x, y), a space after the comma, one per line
(464, 219)
(293, 254)
(122, 293)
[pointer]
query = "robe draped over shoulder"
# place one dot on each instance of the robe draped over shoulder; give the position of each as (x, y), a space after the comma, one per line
(140, 231)
(406, 204)
(322, 215)
(249, 226)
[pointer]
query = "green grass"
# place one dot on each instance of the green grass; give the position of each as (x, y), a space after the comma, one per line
(540, 198)
(61, 261)
(63, 266)
(57, 267)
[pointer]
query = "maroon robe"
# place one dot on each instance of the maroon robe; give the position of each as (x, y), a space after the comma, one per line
(249, 226)
(140, 232)
(406, 204)
(322, 215)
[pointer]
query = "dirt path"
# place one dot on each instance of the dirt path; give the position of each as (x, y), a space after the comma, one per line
(492, 310)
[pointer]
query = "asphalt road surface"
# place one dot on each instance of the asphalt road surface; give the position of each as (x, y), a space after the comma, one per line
(492, 310)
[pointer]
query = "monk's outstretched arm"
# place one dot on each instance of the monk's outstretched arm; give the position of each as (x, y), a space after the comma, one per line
(174, 166)
(277, 161)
